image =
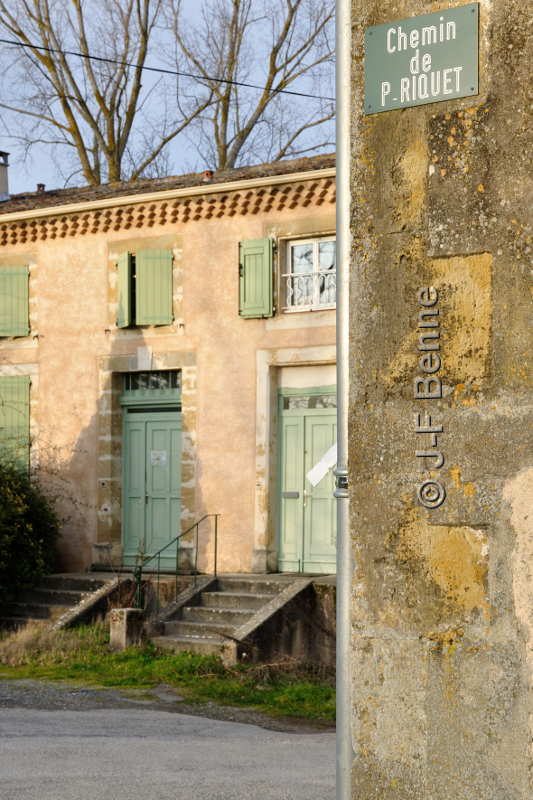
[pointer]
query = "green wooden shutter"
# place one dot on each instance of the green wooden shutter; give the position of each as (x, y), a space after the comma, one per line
(124, 290)
(15, 421)
(153, 287)
(255, 278)
(14, 303)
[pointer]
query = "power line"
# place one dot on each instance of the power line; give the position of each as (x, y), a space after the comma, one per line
(163, 71)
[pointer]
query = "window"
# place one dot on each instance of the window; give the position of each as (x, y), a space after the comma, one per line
(310, 401)
(311, 277)
(14, 301)
(145, 288)
(152, 384)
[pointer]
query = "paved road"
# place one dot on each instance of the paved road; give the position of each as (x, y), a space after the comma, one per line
(142, 754)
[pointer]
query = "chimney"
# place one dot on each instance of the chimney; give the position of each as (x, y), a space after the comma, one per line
(40, 187)
(208, 176)
(4, 186)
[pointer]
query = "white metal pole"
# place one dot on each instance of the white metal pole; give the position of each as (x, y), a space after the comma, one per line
(345, 565)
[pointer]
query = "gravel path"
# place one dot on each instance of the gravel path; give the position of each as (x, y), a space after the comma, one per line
(67, 742)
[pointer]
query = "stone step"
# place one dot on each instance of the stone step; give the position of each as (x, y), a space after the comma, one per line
(197, 629)
(202, 645)
(12, 623)
(251, 585)
(235, 600)
(35, 611)
(72, 583)
(51, 596)
(231, 616)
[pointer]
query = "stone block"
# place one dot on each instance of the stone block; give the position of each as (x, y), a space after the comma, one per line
(126, 627)
(186, 556)
(264, 562)
(106, 555)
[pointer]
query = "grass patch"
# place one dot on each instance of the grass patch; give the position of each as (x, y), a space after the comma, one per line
(82, 654)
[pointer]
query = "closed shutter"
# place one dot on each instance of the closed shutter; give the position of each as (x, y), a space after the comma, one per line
(15, 421)
(153, 287)
(255, 278)
(14, 308)
(124, 290)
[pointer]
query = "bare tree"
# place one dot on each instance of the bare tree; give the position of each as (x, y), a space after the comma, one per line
(274, 44)
(93, 115)
(107, 118)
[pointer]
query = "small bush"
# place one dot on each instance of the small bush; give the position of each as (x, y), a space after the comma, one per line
(29, 530)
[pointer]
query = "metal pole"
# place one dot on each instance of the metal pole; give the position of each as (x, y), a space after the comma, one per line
(196, 554)
(345, 564)
(137, 577)
(177, 559)
(216, 521)
(158, 571)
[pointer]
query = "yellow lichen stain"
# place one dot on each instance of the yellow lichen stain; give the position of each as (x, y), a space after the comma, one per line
(455, 472)
(447, 641)
(455, 558)
(468, 489)
(481, 188)
(412, 167)
(465, 310)
(443, 172)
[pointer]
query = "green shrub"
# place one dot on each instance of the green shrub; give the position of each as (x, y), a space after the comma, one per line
(29, 530)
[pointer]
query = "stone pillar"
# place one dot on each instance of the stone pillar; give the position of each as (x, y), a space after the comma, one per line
(442, 602)
(126, 626)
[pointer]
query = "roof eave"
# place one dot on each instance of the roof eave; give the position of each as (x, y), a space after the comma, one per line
(167, 194)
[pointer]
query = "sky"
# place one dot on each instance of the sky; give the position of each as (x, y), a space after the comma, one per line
(25, 178)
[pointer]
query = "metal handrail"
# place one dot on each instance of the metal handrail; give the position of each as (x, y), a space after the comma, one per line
(137, 572)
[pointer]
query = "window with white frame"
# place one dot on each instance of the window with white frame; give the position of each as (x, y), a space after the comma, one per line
(310, 281)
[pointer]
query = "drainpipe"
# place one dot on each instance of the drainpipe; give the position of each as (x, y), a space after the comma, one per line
(345, 563)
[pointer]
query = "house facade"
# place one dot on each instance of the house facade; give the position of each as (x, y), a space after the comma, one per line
(167, 352)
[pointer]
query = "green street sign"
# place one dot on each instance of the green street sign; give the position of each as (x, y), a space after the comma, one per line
(422, 60)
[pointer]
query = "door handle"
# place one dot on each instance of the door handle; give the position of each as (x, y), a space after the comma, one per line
(146, 497)
(305, 498)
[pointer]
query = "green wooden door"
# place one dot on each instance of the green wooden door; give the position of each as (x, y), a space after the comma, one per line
(291, 510)
(320, 513)
(151, 508)
(307, 514)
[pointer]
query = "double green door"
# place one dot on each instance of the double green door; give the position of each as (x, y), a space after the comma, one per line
(307, 514)
(151, 495)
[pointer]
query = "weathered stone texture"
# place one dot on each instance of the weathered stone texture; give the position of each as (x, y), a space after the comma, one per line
(442, 605)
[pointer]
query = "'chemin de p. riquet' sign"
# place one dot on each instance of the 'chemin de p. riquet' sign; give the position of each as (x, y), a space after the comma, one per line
(422, 60)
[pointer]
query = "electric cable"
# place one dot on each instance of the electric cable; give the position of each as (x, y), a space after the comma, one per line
(163, 71)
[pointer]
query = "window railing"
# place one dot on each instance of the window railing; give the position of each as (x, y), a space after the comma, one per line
(310, 290)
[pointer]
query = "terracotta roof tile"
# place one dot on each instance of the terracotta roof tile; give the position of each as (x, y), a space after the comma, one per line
(60, 197)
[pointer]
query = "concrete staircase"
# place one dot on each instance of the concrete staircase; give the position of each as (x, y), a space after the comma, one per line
(213, 615)
(53, 596)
